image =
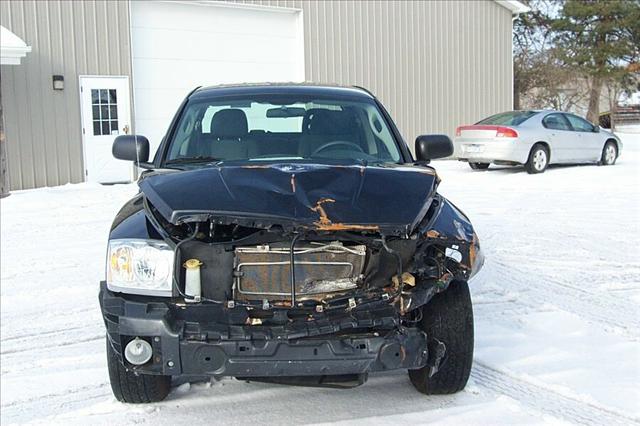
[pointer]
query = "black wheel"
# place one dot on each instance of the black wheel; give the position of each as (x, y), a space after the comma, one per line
(479, 166)
(538, 159)
(448, 317)
(132, 388)
(609, 154)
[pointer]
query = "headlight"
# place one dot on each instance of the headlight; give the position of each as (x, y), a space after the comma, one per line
(140, 267)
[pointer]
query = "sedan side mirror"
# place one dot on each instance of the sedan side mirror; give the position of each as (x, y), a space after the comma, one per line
(131, 148)
(430, 147)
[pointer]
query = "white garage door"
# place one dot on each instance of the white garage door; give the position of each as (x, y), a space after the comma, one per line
(179, 46)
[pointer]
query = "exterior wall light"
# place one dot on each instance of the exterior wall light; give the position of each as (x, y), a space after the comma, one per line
(58, 82)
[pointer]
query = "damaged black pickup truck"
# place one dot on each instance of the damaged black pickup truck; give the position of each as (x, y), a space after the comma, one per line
(285, 233)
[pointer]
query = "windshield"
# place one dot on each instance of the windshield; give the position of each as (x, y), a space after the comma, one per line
(268, 128)
(511, 118)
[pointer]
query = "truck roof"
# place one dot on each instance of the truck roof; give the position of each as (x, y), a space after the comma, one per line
(281, 88)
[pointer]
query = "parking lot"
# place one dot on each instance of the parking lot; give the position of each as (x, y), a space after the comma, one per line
(557, 310)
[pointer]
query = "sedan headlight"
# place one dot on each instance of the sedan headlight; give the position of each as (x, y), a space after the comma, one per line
(140, 267)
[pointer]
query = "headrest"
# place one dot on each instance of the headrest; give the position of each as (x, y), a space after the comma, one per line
(318, 121)
(229, 123)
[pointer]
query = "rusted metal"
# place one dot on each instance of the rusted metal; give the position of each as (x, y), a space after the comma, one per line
(432, 233)
(324, 219)
(325, 224)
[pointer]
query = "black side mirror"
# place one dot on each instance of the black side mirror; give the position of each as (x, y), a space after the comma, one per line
(131, 148)
(430, 147)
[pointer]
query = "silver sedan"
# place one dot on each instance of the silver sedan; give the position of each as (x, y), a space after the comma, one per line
(535, 139)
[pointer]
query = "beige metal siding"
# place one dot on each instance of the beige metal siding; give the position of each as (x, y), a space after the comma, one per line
(42, 125)
(434, 64)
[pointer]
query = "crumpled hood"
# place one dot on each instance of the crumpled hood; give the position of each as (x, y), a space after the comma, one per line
(390, 199)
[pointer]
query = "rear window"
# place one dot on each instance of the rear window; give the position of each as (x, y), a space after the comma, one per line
(511, 118)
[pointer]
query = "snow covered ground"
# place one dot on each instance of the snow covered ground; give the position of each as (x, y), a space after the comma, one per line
(557, 309)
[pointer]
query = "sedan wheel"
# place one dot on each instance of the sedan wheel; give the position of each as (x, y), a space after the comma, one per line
(609, 154)
(538, 160)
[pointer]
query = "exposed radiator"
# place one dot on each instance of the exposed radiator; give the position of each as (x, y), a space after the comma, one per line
(263, 272)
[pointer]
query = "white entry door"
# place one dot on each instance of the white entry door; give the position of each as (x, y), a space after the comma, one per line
(106, 113)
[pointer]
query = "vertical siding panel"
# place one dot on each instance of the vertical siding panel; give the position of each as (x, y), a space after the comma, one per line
(113, 14)
(386, 80)
(10, 107)
(414, 77)
(77, 29)
(317, 47)
(69, 55)
(405, 87)
(59, 115)
(310, 28)
(438, 37)
(427, 75)
(46, 145)
(472, 46)
(336, 36)
(367, 54)
(22, 146)
(91, 35)
(104, 30)
(356, 27)
(401, 67)
(395, 68)
(344, 67)
(374, 31)
(324, 41)
(422, 45)
(32, 82)
(359, 29)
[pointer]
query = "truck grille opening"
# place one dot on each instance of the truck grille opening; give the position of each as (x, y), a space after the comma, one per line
(263, 272)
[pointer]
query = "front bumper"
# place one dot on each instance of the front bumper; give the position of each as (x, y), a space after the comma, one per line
(185, 342)
(492, 150)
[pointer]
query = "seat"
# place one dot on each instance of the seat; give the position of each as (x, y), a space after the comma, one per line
(227, 140)
(261, 143)
(321, 126)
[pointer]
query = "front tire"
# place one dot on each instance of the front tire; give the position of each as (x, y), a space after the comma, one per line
(538, 159)
(448, 317)
(479, 166)
(609, 154)
(132, 388)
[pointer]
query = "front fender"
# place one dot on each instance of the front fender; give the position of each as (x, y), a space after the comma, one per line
(132, 222)
(451, 228)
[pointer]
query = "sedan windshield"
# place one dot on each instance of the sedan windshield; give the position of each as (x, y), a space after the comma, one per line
(273, 128)
(511, 118)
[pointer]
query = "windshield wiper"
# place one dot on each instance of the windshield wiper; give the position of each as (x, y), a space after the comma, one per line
(198, 159)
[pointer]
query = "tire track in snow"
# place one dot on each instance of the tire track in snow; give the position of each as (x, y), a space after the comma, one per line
(48, 404)
(45, 333)
(547, 400)
(597, 307)
(54, 345)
